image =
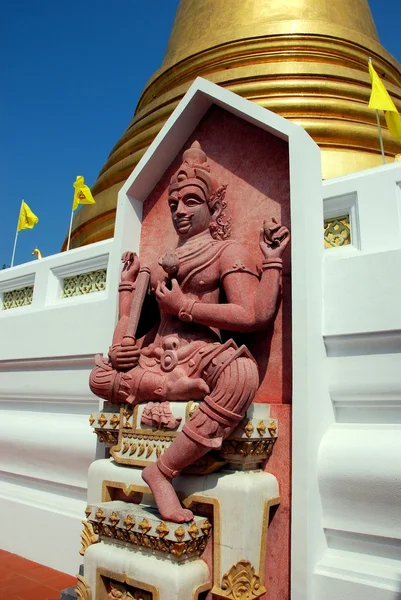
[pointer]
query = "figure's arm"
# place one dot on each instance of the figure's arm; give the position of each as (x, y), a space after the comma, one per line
(273, 240)
(250, 304)
(126, 291)
(124, 354)
(239, 279)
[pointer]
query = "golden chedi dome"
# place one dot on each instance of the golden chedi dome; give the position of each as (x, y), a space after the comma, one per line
(306, 60)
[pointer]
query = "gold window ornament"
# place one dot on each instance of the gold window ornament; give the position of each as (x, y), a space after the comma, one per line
(337, 231)
(84, 283)
(17, 298)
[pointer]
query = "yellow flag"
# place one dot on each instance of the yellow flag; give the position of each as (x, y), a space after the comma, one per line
(393, 121)
(27, 219)
(380, 100)
(82, 194)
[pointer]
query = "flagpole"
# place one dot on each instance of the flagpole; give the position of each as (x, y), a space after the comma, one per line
(69, 231)
(380, 137)
(16, 235)
(379, 127)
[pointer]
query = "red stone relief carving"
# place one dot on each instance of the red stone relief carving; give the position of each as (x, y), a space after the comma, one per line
(183, 357)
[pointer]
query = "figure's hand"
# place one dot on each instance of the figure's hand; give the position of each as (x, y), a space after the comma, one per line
(124, 356)
(273, 239)
(170, 301)
(131, 267)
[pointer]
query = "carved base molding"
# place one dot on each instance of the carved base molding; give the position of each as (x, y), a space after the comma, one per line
(137, 525)
(135, 444)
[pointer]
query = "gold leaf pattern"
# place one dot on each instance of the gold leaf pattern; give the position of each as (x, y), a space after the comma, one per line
(206, 527)
(193, 531)
(99, 516)
(133, 449)
(88, 537)
(261, 427)
(129, 522)
(115, 421)
(83, 590)
(102, 420)
(141, 449)
(162, 529)
(249, 428)
(145, 526)
(113, 519)
(179, 533)
(241, 582)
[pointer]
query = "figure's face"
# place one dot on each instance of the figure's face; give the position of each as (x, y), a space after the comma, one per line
(189, 211)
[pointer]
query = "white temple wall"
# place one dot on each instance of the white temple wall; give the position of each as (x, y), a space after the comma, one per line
(46, 444)
(359, 458)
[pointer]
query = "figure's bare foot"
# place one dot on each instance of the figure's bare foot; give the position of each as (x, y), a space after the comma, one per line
(185, 388)
(166, 499)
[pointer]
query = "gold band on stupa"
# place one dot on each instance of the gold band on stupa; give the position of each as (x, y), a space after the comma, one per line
(303, 59)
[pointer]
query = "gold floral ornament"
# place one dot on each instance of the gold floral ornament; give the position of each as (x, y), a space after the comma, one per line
(206, 527)
(129, 522)
(261, 427)
(241, 582)
(337, 232)
(179, 533)
(88, 537)
(145, 526)
(102, 420)
(114, 421)
(162, 529)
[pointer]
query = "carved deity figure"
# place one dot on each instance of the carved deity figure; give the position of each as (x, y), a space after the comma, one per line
(206, 284)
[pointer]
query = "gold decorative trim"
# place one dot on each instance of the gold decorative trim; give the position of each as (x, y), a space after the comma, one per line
(244, 448)
(217, 541)
(84, 283)
(17, 298)
(83, 590)
(188, 503)
(107, 437)
(241, 582)
(248, 428)
(265, 529)
(88, 537)
(162, 530)
(204, 587)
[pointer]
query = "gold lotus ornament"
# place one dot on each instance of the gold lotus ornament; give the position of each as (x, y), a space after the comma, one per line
(241, 582)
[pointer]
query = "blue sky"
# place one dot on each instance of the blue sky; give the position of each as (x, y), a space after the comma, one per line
(71, 78)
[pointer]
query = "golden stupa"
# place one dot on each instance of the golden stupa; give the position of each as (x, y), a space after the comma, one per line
(304, 59)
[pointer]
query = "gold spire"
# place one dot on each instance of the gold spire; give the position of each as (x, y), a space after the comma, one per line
(304, 59)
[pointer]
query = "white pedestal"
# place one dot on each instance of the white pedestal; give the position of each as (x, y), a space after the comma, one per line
(238, 503)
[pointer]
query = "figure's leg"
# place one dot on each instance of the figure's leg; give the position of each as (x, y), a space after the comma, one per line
(213, 422)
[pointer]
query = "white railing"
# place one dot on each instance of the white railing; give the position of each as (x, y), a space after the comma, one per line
(46, 354)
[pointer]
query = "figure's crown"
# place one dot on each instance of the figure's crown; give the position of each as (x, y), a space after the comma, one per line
(194, 170)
